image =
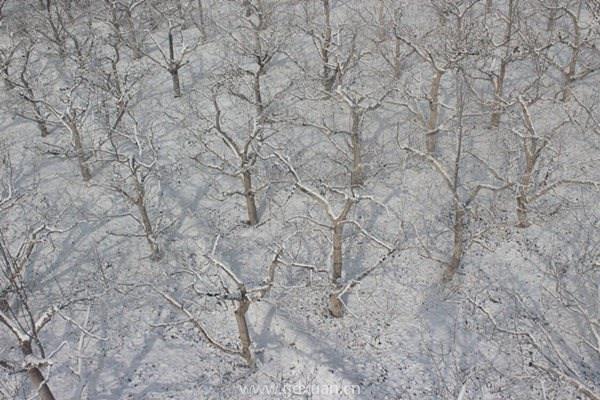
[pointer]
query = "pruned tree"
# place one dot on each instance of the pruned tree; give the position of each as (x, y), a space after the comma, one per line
(387, 23)
(507, 53)
(463, 191)
(24, 82)
(115, 82)
(168, 59)
(247, 105)
(134, 161)
(442, 50)
(241, 294)
(577, 38)
(536, 146)
(345, 201)
(71, 112)
(125, 20)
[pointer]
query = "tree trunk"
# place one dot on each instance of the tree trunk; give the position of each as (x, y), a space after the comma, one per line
(523, 190)
(43, 128)
(146, 223)
(78, 144)
(498, 92)
(576, 45)
(258, 94)
(173, 67)
(36, 377)
(499, 87)
(149, 231)
(522, 204)
(250, 198)
(176, 84)
(432, 123)
(39, 120)
(328, 79)
(551, 20)
(336, 307)
(336, 257)
(182, 15)
(458, 246)
(397, 59)
(242, 324)
(132, 38)
(357, 173)
(7, 83)
(522, 218)
(202, 21)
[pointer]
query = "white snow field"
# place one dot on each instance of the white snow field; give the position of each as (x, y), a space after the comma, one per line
(303, 199)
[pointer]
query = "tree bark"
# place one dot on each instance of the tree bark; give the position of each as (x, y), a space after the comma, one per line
(133, 38)
(336, 307)
(432, 122)
(458, 245)
(148, 231)
(42, 127)
(176, 84)
(531, 153)
(569, 76)
(336, 258)
(489, 4)
(140, 202)
(78, 144)
(36, 377)
(174, 67)
(202, 20)
(357, 173)
(498, 92)
(523, 191)
(328, 72)
(499, 86)
(242, 324)
(39, 119)
(250, 198)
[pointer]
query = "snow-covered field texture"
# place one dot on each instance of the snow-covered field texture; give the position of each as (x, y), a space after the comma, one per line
(304, 199)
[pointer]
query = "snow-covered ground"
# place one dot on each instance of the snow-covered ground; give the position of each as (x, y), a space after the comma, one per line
(518, 319)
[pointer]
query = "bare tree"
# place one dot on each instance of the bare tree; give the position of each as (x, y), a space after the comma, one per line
(577, 39)
(387, 41)
(168, 60)
(24, 83)
(255, 103)
(25, 311)
(242, 295)
(72, 113)
(125, 17)
(134, 160)
(510, 54)
(336, 220)
(17, 314)
(463, 191)
(559, 341)
(442, 50)
(535, 146)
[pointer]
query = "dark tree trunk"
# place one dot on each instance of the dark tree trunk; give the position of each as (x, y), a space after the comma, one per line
(242, 324)
(36, 377)
(250, 198)
(357, 173)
